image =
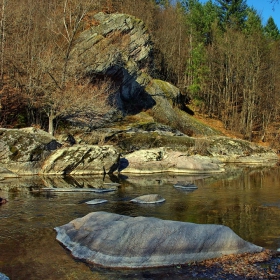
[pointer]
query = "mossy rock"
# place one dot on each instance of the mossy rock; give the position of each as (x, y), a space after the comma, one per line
(136, 141)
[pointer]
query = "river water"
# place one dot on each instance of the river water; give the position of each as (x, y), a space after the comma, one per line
(245, 199)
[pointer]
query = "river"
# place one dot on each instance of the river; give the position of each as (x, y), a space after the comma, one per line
(245, 199)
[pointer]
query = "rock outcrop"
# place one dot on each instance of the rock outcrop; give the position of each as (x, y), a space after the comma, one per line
(82, 159)
(162, 160)
(23, 150)
(113, 240)
(239, 151)
(29, 151)
(119, 46)
(5, 173)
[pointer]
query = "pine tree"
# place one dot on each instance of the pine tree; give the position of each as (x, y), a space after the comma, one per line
(271, 30)
(253, 23)
(232, 13)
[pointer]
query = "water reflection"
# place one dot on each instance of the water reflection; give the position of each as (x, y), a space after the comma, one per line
(247, 200)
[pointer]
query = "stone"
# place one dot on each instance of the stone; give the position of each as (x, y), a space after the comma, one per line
(96, 190)
(82, 160)
(5, 173)
(23, 150)
(96, 201)
(118, 241)
(231, 150)
(118, 46)
(159, 160)
(3, 277)
(148, 199)
(185, 186)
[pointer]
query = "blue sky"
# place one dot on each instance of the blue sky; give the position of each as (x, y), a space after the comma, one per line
(264, 8)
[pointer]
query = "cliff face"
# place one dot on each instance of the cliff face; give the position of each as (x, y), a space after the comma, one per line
(118, 47)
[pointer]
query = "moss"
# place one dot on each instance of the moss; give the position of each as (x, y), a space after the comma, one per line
(138, 141)
(162, 88)
(15, 153)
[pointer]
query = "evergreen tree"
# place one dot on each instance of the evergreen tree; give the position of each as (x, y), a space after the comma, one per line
(271, 30)
(253, 23)
(232, 13)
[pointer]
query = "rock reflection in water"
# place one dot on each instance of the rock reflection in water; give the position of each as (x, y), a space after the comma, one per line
(246, 200)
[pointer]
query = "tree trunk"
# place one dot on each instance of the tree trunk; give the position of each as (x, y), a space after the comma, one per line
(51, 120)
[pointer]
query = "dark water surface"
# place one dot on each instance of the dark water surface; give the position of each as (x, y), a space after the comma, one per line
(247, 200)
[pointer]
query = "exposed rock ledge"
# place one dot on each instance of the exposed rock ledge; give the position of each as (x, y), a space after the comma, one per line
(32, 151)
(161, 160)
(113, 240)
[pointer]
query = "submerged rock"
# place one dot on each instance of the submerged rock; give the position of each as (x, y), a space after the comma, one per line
(96, 201)
(113, 240)
(148, 198)
(96, 190)
(185, 186)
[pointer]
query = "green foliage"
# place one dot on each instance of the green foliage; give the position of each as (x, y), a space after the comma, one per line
(21, 121)
(200, 18)
(232, 13)
(197, 69)
(253, 23)
(271, 30)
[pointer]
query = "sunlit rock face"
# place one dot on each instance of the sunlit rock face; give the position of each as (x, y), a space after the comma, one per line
(22, 150)
(113, 240)
(117, 46)
(82, 159)
(160, 160)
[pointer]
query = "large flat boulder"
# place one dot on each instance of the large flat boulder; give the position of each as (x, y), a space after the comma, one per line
(159, 160)
(113, 240)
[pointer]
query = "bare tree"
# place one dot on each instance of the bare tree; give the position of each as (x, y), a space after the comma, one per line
(78, 99)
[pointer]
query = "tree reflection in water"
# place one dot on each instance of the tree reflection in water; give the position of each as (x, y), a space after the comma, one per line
(245, 199)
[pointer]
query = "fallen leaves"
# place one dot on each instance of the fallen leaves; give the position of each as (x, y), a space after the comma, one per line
(246, 266)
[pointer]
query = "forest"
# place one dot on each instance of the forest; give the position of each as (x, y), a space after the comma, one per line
(220, 55)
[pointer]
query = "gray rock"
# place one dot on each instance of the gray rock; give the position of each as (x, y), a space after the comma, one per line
(148, 199)
(96, 201)
(5, 173)
(23, 150)
(96, 190)
(119, 46)
(3, 277)
(113, 240)
(231, 150)
(160, 160)
(185, 186)
(82, 159)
